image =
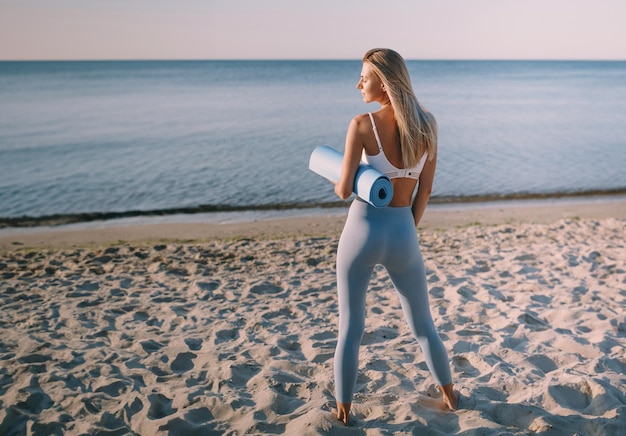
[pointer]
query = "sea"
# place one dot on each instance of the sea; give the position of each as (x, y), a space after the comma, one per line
(83, 140)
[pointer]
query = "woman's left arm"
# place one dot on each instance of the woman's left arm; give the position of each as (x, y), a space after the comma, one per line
(351, 158)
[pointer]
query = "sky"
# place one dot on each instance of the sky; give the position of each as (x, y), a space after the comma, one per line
(316, 29)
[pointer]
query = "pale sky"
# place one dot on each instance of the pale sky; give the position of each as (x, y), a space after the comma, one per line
(315, 29)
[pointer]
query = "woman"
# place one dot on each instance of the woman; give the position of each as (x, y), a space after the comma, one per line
(400, 139)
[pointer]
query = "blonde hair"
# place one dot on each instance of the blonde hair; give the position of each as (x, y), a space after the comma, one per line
(417, 127)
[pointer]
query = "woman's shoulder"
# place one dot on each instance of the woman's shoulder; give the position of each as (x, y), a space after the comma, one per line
(361, 123)
(362, 118)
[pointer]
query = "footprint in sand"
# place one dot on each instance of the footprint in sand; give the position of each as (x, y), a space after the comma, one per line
(114, 389)
(542, 362)
(465, 367)
(226, 335)
(532, 321)
(265, 288)
(151, 346)
(36, 362)
(160, 406)
(194, 344)
(195, 422)
(574, 397)
(34, 358)
(516, 415)
(132, 408)
(35, 403)
(183, 362)
(88, 286)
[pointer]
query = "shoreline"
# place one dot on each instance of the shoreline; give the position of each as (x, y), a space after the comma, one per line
(301, 222)
(297, 208)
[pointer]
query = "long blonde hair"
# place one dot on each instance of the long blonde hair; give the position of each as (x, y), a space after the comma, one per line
(416, 126)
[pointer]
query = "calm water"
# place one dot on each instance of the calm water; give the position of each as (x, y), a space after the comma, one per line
(79, 137)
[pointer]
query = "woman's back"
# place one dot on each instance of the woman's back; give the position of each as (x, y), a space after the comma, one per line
(385, 125)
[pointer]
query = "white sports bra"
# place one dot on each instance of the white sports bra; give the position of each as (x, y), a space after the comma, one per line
(382, 164)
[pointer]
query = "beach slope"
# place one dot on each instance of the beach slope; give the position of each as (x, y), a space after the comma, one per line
(158, 331)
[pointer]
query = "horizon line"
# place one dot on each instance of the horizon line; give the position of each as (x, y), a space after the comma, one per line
(315, 59)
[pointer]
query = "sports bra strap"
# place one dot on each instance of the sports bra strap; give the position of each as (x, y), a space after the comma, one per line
(380, 147)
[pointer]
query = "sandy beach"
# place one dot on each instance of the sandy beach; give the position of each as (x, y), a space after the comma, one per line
(205, 328)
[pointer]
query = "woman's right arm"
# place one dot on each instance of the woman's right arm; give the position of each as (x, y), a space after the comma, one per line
(424, 189)
(351, 158)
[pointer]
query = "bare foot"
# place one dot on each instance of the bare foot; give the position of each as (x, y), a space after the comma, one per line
(343, 412)
(450, 397)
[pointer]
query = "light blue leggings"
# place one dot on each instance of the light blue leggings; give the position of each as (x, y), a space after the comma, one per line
(385, 236)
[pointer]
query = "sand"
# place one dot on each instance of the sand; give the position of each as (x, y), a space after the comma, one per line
(230, 328)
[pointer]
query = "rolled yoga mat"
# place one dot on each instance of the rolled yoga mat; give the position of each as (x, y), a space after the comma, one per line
(369, 184)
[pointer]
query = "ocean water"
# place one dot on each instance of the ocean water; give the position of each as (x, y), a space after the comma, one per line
(110, 137)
